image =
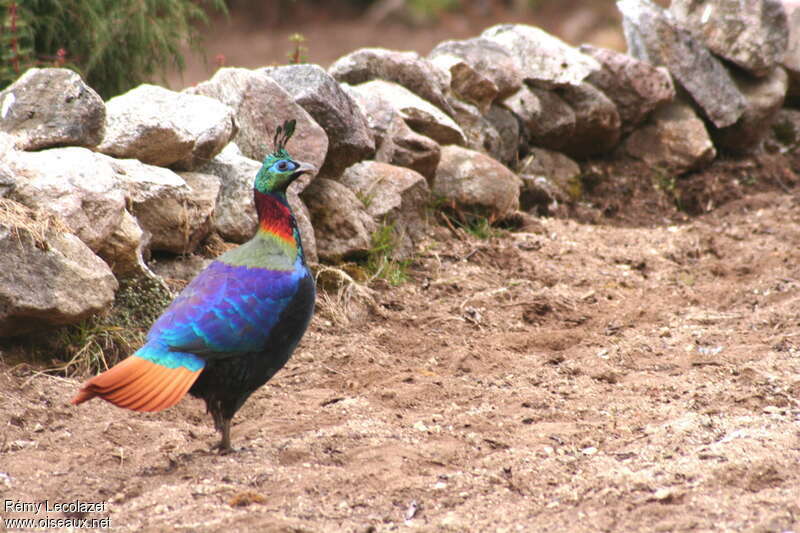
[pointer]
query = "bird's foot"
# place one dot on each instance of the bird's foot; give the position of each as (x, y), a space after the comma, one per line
(224, 445)
(224, 450)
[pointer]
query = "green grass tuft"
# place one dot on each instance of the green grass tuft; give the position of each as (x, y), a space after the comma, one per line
(380, 261)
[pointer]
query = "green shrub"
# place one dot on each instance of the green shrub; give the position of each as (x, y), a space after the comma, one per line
(114, 45)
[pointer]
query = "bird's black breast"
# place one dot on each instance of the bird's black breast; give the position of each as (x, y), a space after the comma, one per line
(226, 383)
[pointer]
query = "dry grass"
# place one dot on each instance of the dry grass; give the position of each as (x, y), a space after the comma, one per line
(24, 221)
(341, 297)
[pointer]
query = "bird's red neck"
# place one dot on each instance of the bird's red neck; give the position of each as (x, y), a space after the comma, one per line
(274, 216)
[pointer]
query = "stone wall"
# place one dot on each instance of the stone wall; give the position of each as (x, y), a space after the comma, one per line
(486, 126)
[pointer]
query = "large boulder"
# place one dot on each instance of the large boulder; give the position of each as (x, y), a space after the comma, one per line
(78, 185)
(52, 107)
(48, 277)
(395, 142)
(480, 133)
(392, 195)
(546, 119)
(475, 184)
(597, 122)
(481, 60)
(166, 128)
(791, 61)
(466, 83)
(635, 87)
(125, 249)
(674, 139)
(333, 109)
(421, 116)
(174, 209)
(654, 37)
(260, 105)
(235, 217)
(507, 126)
(752, 34)
(342, 226)
(544, 60)
(407, 69)
(764, 97)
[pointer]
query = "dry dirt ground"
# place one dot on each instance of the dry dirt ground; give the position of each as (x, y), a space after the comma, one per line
(570, 376)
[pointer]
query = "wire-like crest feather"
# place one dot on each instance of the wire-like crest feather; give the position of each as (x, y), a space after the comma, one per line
(283, 134)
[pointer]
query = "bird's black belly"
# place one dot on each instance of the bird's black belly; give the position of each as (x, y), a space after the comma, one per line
(226, 383)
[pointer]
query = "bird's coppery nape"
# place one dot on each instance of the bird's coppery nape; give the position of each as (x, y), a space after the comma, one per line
(234, 326)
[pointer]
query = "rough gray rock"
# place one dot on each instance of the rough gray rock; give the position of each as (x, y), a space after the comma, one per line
(392, 195)
(480, 133)
(165, 128)
(784, 135)
(48, 280)
(404, 147)
(124, 249)
(486, 58)
(8, 179)
(349, 139)
(653, 37)
(544, 60)
(635, 87)
(194, 213)
(507, 126)
(791, 61)
(341, 224)
(751, 34)
(476, 184)
(78, 185)
(407, 69)
(235, 217)
(52, 107)
(495, 133)
(421, 116)
(597, 122)
(303, 218)
(179, 267)
(466, 83)
(260, 105)
(764, 98)
(673, 139)
(547, 120)
(548, 178)
(396, 143)
(174, 209)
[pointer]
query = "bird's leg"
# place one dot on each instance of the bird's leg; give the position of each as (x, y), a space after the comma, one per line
(225, 428)
(223, 425)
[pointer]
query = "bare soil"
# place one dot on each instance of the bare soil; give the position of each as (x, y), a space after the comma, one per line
(638, 371)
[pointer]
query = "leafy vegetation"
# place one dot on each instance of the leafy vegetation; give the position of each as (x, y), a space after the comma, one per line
(113, 45)
(380, 261)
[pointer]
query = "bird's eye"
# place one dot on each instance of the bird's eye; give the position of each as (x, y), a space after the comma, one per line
(283, 165)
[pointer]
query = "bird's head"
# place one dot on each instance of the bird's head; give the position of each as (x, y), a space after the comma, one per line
(279, 169)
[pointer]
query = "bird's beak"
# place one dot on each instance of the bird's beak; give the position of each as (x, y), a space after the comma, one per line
(304, 168)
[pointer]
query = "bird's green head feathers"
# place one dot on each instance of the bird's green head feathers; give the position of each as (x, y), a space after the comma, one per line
(279, 169)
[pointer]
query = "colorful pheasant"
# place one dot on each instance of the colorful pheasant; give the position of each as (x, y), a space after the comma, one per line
(235, 325)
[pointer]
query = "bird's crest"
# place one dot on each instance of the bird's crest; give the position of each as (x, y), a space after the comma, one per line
(282, 136)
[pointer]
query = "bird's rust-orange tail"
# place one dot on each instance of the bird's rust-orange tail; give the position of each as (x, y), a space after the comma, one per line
(139, 384)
